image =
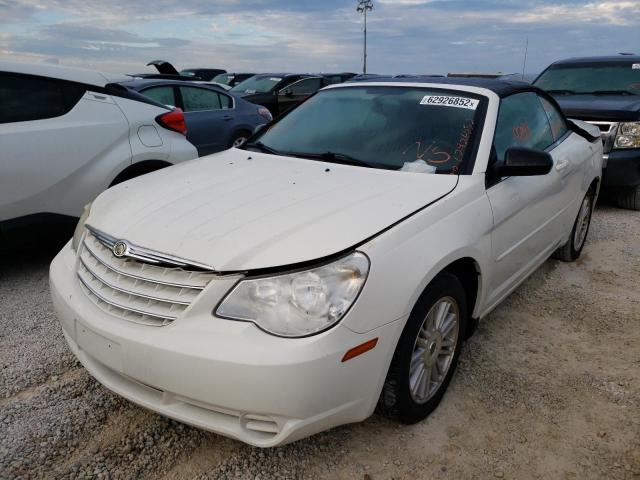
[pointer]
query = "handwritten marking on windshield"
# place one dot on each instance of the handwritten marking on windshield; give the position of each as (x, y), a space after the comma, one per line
(463, 141)
(434, 155)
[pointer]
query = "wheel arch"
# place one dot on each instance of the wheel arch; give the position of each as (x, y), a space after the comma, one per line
(467, 270)
(139, 168)
(595, 185)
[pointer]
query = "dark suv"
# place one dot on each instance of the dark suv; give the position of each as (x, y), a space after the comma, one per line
(605, 91)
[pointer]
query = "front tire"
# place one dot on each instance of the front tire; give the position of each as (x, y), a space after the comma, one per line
(427, 353)
(571, 250)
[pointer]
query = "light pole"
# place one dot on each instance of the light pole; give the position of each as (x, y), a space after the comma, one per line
(363, 6)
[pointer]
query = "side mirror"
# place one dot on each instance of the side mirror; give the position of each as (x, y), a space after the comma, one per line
(524, 162)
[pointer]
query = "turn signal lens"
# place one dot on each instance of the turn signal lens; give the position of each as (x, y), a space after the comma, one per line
(173, 120)
(360, 349)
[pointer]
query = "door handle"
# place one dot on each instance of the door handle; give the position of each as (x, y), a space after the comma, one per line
(226, 118)
(562, 164)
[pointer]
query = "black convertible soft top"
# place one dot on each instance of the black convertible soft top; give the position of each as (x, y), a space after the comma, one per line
(502, 88)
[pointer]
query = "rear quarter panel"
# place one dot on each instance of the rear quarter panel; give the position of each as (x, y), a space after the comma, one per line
(60, 164)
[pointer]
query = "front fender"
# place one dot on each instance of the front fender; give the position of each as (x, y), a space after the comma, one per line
(407, 257)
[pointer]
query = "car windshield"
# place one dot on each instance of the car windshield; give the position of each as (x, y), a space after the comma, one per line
(257, 85)
(224, 78)
(399, 128)
(622, 78)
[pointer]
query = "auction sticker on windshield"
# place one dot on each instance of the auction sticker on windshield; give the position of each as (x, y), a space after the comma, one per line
(450, 101)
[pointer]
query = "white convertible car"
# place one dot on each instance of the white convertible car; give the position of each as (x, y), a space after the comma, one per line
(334, 264)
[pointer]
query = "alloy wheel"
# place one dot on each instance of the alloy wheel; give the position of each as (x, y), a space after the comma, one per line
(238, 142)
(434, 349)
(582, 224)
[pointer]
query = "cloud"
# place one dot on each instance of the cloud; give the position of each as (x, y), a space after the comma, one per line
(411, 36)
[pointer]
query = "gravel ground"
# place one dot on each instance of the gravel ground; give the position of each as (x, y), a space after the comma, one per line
(548, 387)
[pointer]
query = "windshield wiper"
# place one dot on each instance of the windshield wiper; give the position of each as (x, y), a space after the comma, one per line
(335, 157)
(612, 92)
(562, 92)
(263, 148)
(332, 157)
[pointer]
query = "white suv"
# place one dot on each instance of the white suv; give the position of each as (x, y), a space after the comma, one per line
(67, 134)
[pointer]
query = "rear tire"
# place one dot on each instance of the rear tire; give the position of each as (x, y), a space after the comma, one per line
(239, 139)
(571, 250)
(630, 198)
(430, 343)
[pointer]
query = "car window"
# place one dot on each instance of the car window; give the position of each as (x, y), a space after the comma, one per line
(305, 87)
(332, 79)
(522, 122)
(198, 99)
(556, 120)
(225, 101)
(413, 129)
(257, 84)
(163, 95)
(224, 78)
(26, 97)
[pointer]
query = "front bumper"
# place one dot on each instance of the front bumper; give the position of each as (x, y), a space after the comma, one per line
(225, 376)
(622, 168)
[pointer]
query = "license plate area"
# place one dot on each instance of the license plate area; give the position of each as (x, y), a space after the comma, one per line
(104, 350)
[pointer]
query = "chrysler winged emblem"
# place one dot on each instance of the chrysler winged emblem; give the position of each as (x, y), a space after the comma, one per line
(120, 249)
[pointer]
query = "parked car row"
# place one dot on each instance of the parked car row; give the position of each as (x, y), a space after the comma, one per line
(276, 91)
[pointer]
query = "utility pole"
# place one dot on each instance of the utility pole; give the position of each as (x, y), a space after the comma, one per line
(524, 63)
(363, 6)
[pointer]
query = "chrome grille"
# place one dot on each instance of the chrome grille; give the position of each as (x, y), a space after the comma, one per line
(134, 290)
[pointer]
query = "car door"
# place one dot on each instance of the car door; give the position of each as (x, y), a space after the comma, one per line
(51, 130)
(572, 152)
(529, 211)
(208, 123)
(292, 95)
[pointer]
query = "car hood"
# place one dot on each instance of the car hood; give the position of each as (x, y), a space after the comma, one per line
(240, 210)
(613, 108)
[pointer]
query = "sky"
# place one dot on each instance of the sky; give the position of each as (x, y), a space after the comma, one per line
(404, 36)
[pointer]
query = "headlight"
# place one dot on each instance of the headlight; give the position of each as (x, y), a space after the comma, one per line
(628, 135)
(77, 234)
(300, 303)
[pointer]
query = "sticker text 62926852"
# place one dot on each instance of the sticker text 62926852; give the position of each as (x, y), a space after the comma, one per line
(450, 101)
